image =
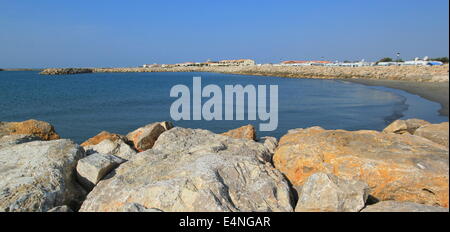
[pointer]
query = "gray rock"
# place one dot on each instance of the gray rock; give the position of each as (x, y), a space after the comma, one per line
(60, 209)
(38, 176)
(137, 208)
(195, 170)
(93, 168)
(393, 206)
(271, 143)
(9, 140)
(117, 148)
(328, 193)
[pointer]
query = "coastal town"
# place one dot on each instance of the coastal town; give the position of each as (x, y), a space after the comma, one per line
(426, 61)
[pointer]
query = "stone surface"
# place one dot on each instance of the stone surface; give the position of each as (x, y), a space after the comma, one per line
(167, 125)
(437, 133)
(39, 175)
(328, 193)
(113, 147)
(271, 143)
(9, 140)
(195, 170)
(101, 137)
(91, 169)
(30, 127)
(61, 209)
(405, 126)
(143, 138)
(137, 208)
(245, 132)
(398, 207)
(396, 167)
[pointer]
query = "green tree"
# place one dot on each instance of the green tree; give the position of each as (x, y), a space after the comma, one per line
(386, 59)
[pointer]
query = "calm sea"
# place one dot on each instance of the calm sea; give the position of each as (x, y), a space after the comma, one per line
(80, 106)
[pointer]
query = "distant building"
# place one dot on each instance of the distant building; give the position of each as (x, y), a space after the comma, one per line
(305, 63)
(241, 62)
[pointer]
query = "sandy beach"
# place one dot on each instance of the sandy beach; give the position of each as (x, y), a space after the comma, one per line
(433, 91)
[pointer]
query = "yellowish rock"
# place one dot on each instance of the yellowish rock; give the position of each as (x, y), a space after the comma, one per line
(396, 167)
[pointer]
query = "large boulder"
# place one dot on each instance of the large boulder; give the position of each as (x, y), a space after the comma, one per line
(143, 138)
(245, 132)
(405, 126)
(271, 143)
(328, 193)
(31, 127)
(399, 207)
(195, 170)
(39, 175)
(396, 167)
(437, 133)
(117, 147)
(91, 169)
(9, 140)
(104, 135)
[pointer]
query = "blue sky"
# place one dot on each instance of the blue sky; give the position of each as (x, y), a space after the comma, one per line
(112, 33)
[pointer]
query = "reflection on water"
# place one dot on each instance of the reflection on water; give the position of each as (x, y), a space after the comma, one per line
(80, 106)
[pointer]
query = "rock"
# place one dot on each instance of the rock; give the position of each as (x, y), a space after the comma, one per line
(144, 137)
(195, 170)
(93, 168)
(31, 127)
(113, 147)
(167, 125)
(396, 167)
(398, 207)
(271, 143)
(405, 126)
(328, 193)
(9, 140)
(65, 71)
(137, 208)
(39, 175)
(437, 133)
(60, 209)
(103, 136)
(245, 132)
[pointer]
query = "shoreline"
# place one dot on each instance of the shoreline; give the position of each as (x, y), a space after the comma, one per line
(432, 91)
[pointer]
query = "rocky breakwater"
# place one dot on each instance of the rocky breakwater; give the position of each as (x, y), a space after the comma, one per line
(65, 71)
(401, 167)
(159, 167)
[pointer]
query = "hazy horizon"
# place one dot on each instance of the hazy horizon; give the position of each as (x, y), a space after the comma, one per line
(52, 33)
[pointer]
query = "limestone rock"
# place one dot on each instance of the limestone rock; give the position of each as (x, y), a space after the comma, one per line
(61, 209)
(31, 127)
(271, 143)
(137, 208)
(245, 132)
(9, 140)
(39, 175)
(396, 167)
(113, 147)
(398, 207)
(103, 136)
(91, 169)
(405, 126)
(144, 137)
(328, 193)
(437, 133)
(167, 125)
(195, 170)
